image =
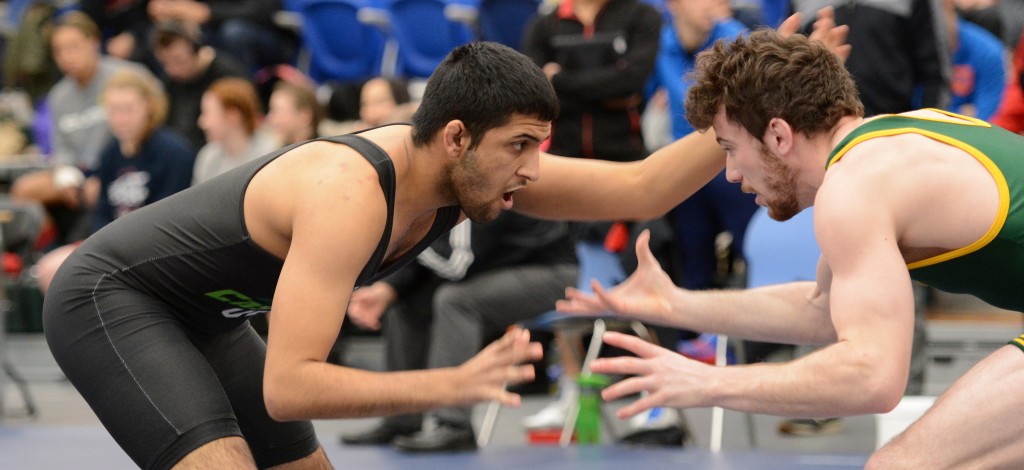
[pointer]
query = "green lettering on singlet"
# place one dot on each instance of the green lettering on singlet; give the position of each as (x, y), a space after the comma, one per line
(237, 299)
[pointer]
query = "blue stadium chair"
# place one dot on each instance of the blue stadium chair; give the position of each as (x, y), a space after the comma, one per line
(424, 34)
(343, 38)
(504, 21)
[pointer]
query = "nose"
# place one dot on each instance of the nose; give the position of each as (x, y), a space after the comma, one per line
(732, 175)
(531, 168)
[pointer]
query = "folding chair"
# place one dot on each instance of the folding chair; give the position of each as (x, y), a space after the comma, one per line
(594, 263)
(20, 225)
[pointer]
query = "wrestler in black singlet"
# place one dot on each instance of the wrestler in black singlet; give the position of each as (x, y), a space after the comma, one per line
(148, 320)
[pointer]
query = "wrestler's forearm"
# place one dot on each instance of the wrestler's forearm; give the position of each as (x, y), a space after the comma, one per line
(842, 379)
(792, 313)
(326, 391)
(583, 189)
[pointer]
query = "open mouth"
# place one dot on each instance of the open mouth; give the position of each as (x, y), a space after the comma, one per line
(506, 200)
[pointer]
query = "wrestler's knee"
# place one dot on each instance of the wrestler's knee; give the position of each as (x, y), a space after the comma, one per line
(225, 453)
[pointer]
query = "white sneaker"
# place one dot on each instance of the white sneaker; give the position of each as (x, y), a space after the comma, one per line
(551, 416)
(554, 414)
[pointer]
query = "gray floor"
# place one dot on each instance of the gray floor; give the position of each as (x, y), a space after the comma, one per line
(65, 434)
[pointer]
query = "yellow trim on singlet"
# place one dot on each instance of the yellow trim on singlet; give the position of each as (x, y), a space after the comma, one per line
(997, 175)
(1018, 341)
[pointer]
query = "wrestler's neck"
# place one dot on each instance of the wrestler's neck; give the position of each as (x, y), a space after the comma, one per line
(843, 128)
(422, 173)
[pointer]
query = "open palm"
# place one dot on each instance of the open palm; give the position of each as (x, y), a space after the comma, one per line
(646, 295)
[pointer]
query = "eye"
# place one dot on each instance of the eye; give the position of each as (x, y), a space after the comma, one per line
(519, 146)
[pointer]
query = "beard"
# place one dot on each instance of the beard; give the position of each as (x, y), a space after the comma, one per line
(781, 182)
(469, 188)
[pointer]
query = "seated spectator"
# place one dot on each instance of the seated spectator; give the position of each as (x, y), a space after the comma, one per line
(243, 27)
(143, 162)
(230, 116)
(187, 68)
(78, 126)
(294, 114)
(381, 100)
(464, 290)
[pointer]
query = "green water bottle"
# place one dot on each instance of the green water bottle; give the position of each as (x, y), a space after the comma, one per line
(588, 420)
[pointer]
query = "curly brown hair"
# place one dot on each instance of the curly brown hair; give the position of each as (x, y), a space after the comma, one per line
(766, 76)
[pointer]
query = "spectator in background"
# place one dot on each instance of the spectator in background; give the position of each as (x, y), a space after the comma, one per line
(598, 55)
(896, 46)
(187, 68)
(380, 100)
(984, 13)
(466, 289)
(294, 114)
(979, 69)
(143, 162)
(243, 27)
(78, 126)
(125, 27)
(230, 116)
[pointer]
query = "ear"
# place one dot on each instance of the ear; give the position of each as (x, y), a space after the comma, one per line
(779, 136)
(456, 137)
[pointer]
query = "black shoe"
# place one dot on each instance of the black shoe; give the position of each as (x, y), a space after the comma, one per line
(380, 435)
(444, 438)
(811, 427)
(672, 436)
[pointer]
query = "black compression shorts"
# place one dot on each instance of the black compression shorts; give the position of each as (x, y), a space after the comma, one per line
(160, 388)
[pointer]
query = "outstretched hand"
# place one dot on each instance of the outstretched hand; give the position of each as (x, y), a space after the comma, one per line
(824, 30)
(501, 363)
(646, 295)
(669, 378)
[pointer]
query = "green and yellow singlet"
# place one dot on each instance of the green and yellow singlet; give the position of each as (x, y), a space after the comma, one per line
(991, 268)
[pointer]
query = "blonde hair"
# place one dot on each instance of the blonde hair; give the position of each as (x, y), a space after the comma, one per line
(148, 87)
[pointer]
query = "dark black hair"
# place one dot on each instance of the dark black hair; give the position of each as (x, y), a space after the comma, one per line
(482, 84)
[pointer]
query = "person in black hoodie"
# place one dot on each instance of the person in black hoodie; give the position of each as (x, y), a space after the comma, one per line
(598, 55)
(465, 289)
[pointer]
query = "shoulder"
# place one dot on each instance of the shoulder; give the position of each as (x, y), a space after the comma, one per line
(62, 88)
(321, 177)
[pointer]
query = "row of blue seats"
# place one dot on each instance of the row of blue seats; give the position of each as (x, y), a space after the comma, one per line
(352, 40)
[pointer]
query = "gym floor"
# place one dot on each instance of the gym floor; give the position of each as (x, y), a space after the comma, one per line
(64, 433)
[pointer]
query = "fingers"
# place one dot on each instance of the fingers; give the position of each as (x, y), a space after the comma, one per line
(643, 249)
(826, 31)
(509, 399)
(577, 301)
(520, 374)
(625, 387)
(790, 25)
